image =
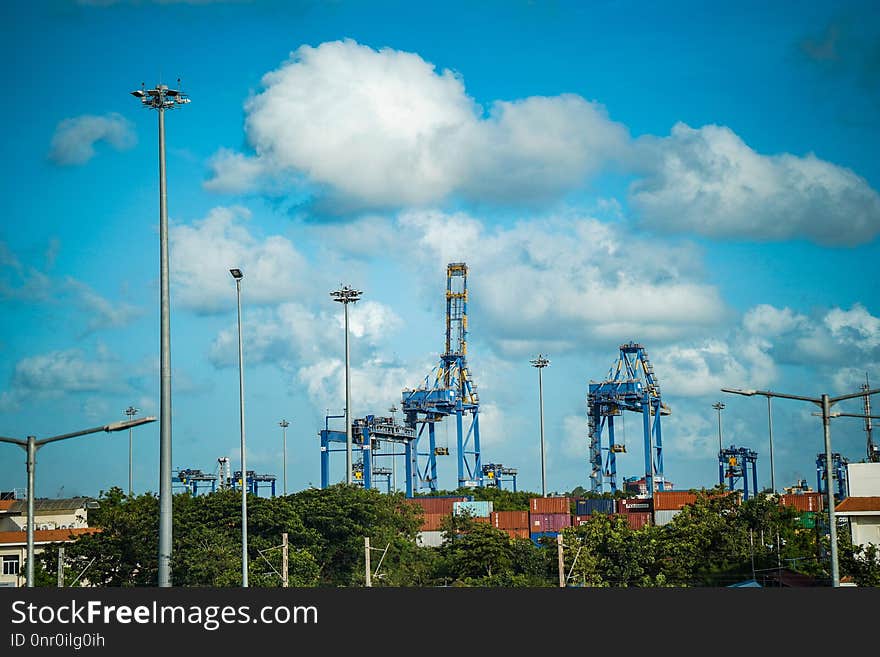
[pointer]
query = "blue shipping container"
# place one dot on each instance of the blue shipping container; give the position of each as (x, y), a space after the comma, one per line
(589, 507)
(476, 508)
(537, 536)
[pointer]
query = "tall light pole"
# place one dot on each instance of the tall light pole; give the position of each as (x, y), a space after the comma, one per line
(237, 275)
(770, 433)
(284, 424)
(824, 402)
(393, 410)
(31, 445)
(540, 362)
(718, 406)
(346, 295)
(160, 99)
(131, 411)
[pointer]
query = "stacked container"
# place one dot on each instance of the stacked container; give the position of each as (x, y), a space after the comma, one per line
(803, 501)
(548, 516)
(668, 503)
(475, 508)
(588, 507)
(514, 523)
(635, 505)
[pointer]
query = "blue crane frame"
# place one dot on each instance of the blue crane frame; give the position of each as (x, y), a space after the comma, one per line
(631, 385)
(495, 474)
(452, 392)
(839, 463)
(738, 460)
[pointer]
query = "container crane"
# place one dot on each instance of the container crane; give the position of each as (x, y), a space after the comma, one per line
(631, 385)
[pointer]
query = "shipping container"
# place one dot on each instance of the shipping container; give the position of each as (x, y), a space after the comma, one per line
(577, 521)
(429, 539)
(663, 516)
(547, 536)
(803, 501)
(635, 505)
(807, 520)
(510, 520)
(476, 508)
(637, 520)
(431, 522)
(548, 522)
(436, 504)
(590, 506)
(517, 533)
(550, 505)
(672, 500)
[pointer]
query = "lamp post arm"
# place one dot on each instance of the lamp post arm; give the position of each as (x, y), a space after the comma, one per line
(116, 426)
(14, 441)
(768, 393)
(853, 395)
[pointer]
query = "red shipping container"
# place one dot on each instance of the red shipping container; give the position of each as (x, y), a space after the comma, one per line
(481, 519)
(803, 501)
(672, 500)
(510, 520)
(548, 522)
(550, 505)
(577, 521)
(639, 519)
(431, 521)
(517, 533)
(436, 504)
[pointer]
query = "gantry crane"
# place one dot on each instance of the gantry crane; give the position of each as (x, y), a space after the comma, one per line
(447, 390)
(733, 464)
(631, 385)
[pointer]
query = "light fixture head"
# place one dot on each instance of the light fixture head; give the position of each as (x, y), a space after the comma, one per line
(236, 274)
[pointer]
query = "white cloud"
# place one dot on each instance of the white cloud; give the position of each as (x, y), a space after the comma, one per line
(375, 384)
(75, 138)
(202, 254)
(384, 127)
(854, 328)
(102, 312)
(565, 281)
(709, 181)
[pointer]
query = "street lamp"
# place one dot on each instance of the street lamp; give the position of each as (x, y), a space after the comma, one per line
(540, 362)
(284, 424)
(131, 411)
(346, 295)
(718, 406)
(237, 275)
(162, 98)
(825, 402)
(31, 445)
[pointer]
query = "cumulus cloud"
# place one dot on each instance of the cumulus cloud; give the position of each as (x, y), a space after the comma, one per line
(378, 383)
(102, 312)
(566, 281)
(74, 140)
(291, 332)
(709, 181)
(203, 253)
(386, 128)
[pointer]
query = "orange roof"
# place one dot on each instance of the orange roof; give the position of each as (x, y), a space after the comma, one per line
(5, 504)
(855, 504)
(46, 535)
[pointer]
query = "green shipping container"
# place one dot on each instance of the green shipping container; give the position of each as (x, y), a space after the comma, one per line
(807, 520)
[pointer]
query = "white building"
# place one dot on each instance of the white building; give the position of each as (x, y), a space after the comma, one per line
(60, 520)
(862, 507)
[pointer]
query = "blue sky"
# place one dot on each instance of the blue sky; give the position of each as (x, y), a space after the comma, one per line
(702, 180)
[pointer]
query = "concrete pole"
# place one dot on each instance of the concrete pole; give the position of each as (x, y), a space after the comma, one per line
(367, 574)
(829, 486)
(284, 560)
(560, 561)
(60, 575)
(770, 430)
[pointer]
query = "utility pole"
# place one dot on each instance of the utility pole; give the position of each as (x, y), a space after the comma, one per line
(560, 558)
(540, 362)
(131, 411)
(284, 561)
(60, 566)
(284, 424)
(367, 574)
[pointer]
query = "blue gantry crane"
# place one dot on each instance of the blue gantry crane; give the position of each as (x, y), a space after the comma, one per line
(733, 465)
(192, 480)
(838, 463)
(448, 390)
(631, 385)
(368, 435)
(495, 474)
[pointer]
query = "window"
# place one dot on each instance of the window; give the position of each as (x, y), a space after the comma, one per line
(10, 565)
